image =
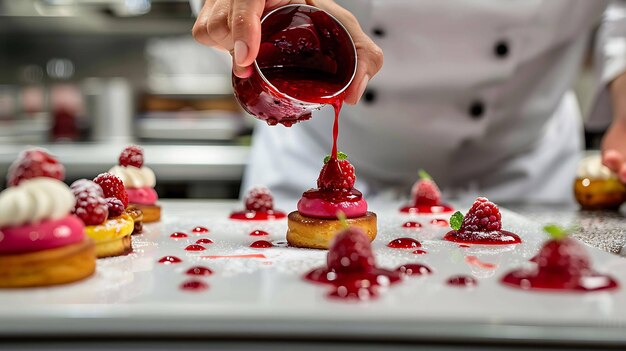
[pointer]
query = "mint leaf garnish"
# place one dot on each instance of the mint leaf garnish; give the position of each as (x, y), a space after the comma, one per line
(424, 175)
(456, 220)
(340, 156)
(343, 219)
(556, 232)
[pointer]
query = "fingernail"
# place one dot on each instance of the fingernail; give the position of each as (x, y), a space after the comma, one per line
(362, 87)
(241, 52)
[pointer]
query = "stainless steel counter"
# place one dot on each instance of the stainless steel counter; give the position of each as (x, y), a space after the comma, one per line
(170, 162)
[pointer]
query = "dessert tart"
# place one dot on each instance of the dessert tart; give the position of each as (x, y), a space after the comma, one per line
(259, 206)
(41, 242)
(137, 216)
(597, 187)
(481, 225)
(100, 205)
(139, 181)
(315, 223)
(561, 265)
(426, 197)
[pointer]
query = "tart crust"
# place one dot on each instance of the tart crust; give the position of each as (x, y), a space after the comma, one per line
(60, 265)
(113, 236)
(316, 233)
(151, 213)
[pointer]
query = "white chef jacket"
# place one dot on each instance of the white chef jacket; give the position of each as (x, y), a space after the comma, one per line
(478, 93)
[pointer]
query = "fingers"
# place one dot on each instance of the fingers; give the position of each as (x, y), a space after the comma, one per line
(199, 30)
(615, 161)
(246, 30)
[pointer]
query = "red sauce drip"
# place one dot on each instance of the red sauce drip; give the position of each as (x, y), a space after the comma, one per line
(427, 209)
(404, 243)
(261, 244)
(178, 235)
(195, 247)
(362, 285)
(170, 260)
(412, 224)
(204, 241)
(464, 246)
(334, 196)
(414, 269)
(463, 281)
(501, 237)
(257, 216)
(194, 285)
(420, 252)
(440, 222)
(200, 230)
(259, 233)
(199, 270)
(532, 279)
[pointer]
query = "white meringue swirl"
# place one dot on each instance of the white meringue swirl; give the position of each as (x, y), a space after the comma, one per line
(35, 200)
(134, 177)
(592, 167)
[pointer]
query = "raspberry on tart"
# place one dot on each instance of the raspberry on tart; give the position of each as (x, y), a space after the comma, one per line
(315, 222)
(426, 197)
(481, 225)
(112, 186)
(90, 207)
(115, 206)
(561, 264)
(259, 206)
(34, 163)
(131, 156)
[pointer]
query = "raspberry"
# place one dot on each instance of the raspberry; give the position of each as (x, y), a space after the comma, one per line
(86, 185)
(425, 192)
(33, 163)
(563, 257)
(259, 199)
(337, 174)
(351, 251)
(115, 206)
(484, 216)
(112, 186)
(90, 207)
(132, 156)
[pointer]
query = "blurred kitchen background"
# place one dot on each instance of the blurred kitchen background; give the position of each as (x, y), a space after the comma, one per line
(84, 78)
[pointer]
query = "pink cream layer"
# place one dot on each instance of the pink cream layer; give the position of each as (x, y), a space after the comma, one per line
(320, 208)
(48, 234)
(142, 196)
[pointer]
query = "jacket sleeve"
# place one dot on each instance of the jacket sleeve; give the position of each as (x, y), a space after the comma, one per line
(609, 63)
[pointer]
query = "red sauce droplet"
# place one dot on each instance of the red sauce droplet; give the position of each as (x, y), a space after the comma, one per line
(259, 233)
(420, 252)
(427, 209)
(195, 247)
(204, 241)
(178, 235)
(199, 270)
(358, 285)
(411, 224)
(414, 269)
(439, 222)
(200, 230)
(464, 246)
(500, 237)
(170, 260)
(194, 285)
(404, 243)
(463, 281)
(261, 244)
(257, 216)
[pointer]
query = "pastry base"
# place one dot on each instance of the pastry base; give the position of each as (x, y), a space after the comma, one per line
(607, 194)
(151, 213)
(113, 237)
(137, 216)
(60, 265)
(315, 233)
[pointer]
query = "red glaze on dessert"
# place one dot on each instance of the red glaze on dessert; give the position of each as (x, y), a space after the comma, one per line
(169, 260)
(178, 235)
(351, 268)
(404, 243)
(199, 271)
(481, 225)
(261, 244)
(194, 286)
(259, 206)
(561, 265)
(412, 225)
(200, 230)
(414, 269)
(204, 241)
(142, 196)
(195, 247)
(259, 233)
(426, 197)
(463, 281)
(48, 234)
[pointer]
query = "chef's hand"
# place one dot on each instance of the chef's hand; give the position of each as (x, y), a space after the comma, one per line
(614, 142)
(235, 25)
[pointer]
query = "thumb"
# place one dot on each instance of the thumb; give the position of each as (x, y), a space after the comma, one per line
(246, 30)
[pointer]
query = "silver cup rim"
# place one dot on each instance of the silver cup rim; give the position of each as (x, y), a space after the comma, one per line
(258, 69)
